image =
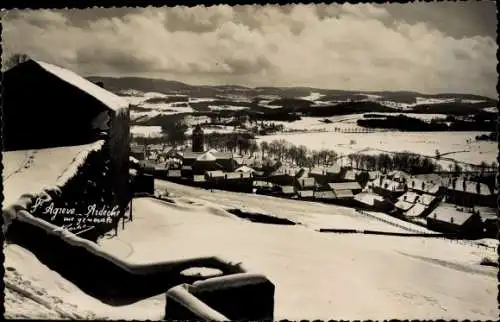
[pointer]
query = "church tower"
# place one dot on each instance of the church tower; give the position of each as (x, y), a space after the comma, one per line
(198, 139)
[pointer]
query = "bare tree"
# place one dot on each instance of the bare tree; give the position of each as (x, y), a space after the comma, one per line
(14, 60)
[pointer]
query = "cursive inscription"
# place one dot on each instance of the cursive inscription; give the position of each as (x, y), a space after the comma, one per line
(94, 214)
(52, 210)
(103, 212)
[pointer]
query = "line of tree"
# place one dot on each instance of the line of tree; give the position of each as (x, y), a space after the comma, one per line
(405, 161)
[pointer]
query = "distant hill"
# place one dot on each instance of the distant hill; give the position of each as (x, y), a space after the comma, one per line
(122, 84)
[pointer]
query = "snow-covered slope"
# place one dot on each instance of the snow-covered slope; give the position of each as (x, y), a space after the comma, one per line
(34, 291)
(317, 275)
(321, 276)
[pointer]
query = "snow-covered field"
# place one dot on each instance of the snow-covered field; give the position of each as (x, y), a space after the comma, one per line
(344, 121)
(215, 129)
(146, 131)
(317, 275)
(425, 143)
(227, 108)
(419, 100)
(313, 96)
(168, 108)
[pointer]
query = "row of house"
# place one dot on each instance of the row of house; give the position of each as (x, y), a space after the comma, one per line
(396, 193)
(451, 207)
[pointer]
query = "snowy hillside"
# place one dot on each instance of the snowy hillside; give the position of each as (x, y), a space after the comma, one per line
(317, 275)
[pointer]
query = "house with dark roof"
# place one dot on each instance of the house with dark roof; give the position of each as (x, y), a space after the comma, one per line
(283, 176)
(448, 219)
(489, 217)
(468, 193)
(263, 187)
(187, 170)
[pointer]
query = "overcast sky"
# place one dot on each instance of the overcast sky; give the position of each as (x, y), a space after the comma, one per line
(426, 47)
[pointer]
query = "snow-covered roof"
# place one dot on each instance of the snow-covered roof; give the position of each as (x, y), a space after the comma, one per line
(416, 211)
(426, 199)
(292, 171)
(32, 171)
(391, 184)
(350, 175)
(305, 193)
(259, 183)
(109, 99)
(174, 173)
(199, 178)
(133, 160)
(288, 189)
(409, 196)
(471, 187)
(448, 214)
(207, 156)
(428, 187)
(368, 198)
(344, 186)
(306, 182)
(334, 169)
(244, 168)
(403, 205)
(237, 175)
(318, 171)
(222, 155)
(328, 194)
(188, 154)
(215, 173)
(344, 193)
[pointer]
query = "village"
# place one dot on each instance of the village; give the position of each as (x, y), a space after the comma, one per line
(461, 204)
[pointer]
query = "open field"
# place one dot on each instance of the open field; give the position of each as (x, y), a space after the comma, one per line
(344, 121)
(424, 143)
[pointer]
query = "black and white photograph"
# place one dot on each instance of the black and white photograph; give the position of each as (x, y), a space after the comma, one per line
(251, 162)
